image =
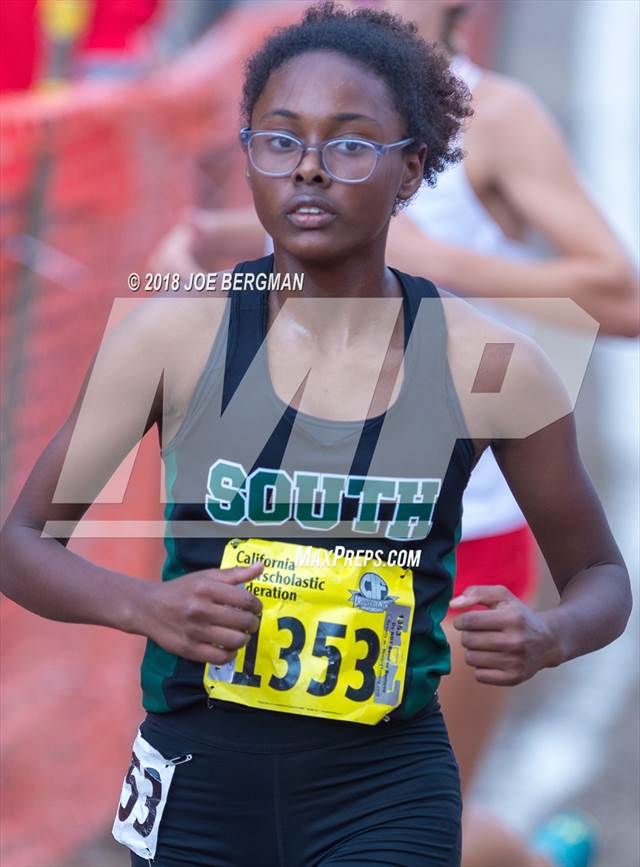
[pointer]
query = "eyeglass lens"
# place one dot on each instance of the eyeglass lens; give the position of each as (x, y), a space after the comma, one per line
(347, 159)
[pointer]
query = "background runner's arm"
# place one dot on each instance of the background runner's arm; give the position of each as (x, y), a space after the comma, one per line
(531, 169)
(207, 239)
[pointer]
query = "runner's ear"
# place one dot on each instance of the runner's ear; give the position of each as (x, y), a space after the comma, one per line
(413, 174)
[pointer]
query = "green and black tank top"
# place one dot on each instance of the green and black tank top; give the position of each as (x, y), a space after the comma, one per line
(242, 461)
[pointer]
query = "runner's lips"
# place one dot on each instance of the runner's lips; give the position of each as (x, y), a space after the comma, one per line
(309, 202)
(308, 212)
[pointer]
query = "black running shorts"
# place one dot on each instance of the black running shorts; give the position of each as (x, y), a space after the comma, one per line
(268, 789)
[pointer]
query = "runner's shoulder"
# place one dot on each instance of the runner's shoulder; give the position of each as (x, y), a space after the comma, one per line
(500, 101)
(506, 113)
(158, 337)
(505, 382)
(165, 326)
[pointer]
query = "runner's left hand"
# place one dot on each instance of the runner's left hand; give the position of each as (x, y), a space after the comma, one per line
(508, 643)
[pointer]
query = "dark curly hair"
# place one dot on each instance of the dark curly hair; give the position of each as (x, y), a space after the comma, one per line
(432, 101)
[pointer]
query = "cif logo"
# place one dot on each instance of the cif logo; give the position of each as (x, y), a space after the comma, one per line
(373, 586)
(372, 594)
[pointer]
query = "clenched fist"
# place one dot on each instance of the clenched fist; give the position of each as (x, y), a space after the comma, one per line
(203, 616)
(507, 644)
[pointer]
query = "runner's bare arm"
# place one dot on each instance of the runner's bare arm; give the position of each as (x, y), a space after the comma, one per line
(205, 617)
(567, 518)
(509, 642)
(524, 162)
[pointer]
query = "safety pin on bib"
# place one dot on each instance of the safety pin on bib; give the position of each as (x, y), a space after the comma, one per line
(178, 760)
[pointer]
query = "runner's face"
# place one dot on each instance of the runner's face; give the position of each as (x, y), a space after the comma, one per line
(318, 96)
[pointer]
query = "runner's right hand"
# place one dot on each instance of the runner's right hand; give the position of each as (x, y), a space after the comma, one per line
(204, 616)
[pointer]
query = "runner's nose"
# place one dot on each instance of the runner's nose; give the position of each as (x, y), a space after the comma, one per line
(311, 171)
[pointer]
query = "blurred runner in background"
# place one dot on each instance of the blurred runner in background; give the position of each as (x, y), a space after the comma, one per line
(469, 235)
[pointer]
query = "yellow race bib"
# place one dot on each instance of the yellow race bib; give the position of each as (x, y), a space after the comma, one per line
(333, 640)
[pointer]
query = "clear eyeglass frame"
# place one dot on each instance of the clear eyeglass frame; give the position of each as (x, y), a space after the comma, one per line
(247, 135)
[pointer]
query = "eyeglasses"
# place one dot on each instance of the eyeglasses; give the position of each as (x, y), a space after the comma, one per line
(347, 160)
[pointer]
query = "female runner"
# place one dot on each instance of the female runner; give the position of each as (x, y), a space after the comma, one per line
(310, 447)
(467, 234)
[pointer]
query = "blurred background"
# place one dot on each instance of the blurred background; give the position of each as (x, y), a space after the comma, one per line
(118, 115)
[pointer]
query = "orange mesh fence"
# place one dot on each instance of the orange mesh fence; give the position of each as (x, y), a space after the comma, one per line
(92, 177)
